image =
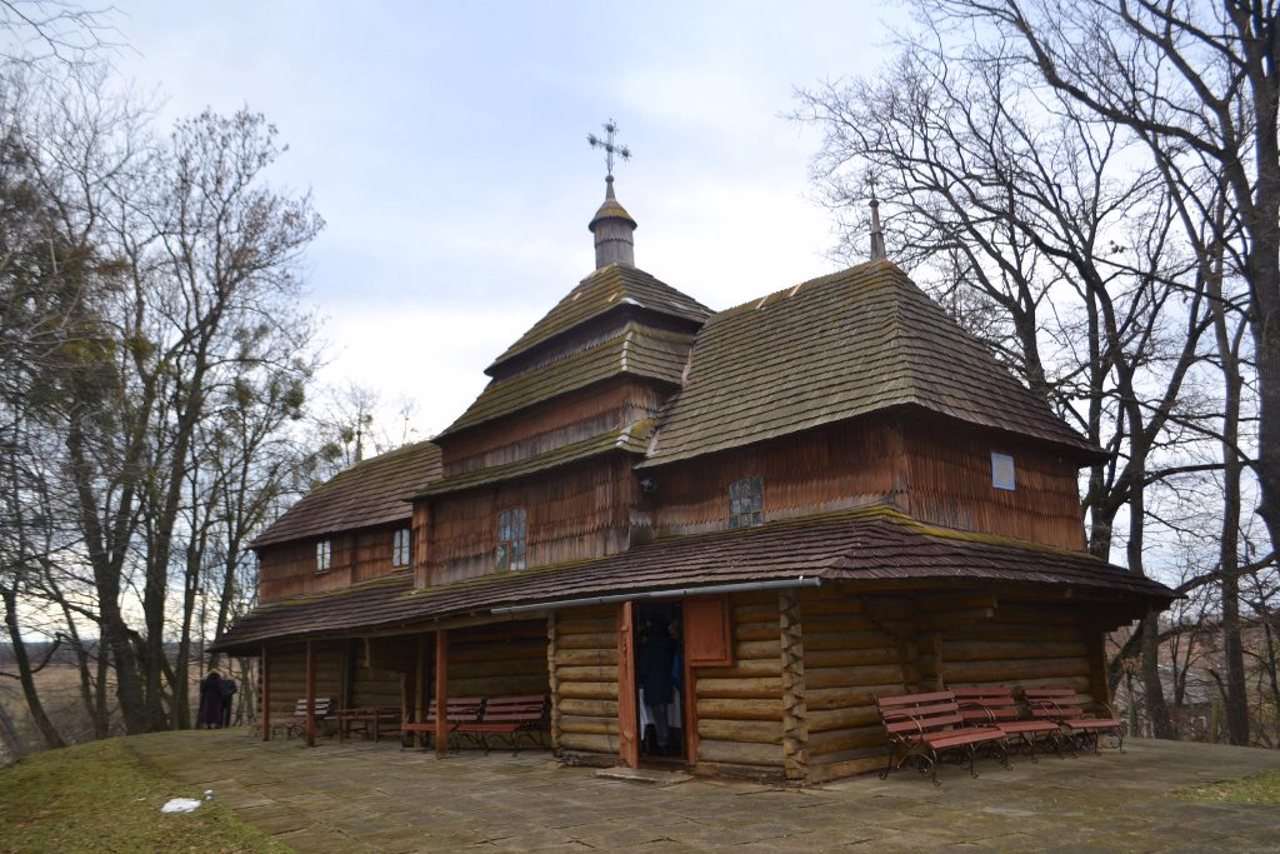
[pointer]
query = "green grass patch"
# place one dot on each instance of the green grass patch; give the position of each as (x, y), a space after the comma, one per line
(1262, 789)
(101, 797)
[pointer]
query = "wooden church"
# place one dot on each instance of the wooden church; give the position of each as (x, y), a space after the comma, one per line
(824, 494)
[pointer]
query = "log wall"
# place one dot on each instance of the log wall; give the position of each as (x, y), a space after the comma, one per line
(1026, 643)
(289, 569)
(584, 661)
(288, 663)
(849, 659)
(739, 707)
(499, 660)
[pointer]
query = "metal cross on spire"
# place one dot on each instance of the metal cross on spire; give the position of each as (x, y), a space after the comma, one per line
(610, 128)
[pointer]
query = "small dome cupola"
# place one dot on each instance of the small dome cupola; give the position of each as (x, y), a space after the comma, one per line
(613, 227)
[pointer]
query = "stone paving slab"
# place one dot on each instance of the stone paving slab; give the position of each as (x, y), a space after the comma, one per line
(365, 797)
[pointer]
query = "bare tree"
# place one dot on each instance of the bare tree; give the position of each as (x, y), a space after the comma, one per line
(1009, 193)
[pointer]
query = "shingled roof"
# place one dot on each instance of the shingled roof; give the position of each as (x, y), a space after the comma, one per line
(633, 438)
(836, 347)
(373, 492)
(869, 545)
(603, 291)
(633, 349)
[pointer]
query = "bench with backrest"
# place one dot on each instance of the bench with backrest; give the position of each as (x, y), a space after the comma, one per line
(1062, 706)
(996, 706)
(924, 727)
(296, 723)
(458, 710)
(510, 717)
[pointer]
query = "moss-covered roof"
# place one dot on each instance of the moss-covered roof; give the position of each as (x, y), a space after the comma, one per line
(872, 545)
(632, 349)
(844, 345)
(605, 290)
(372, 492)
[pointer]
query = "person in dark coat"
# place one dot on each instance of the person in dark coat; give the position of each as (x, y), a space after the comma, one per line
(210, 714)
(653, 671)
(228, 699)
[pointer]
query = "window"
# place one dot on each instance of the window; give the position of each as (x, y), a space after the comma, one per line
(324, 555)
(511, 539)
(400, 550)
(1002, 472)
(746, 502)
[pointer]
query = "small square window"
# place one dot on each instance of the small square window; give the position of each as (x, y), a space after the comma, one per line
(324, 555)
(511, 539)
(1003, 475)
(746, 502)
(401, 551)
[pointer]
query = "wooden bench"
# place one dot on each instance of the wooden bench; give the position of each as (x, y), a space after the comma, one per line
(458, 710)
(924, 727)
(373, 721)
(997, 707)
(1062, 706)
(296, 724)
(510, 717)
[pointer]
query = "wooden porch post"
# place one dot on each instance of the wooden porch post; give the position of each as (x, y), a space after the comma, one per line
(266, 696)
(420, 692)
(311, 694)
(628, 742)
(442, 691)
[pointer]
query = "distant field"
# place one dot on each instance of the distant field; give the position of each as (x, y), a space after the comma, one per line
(59, 687)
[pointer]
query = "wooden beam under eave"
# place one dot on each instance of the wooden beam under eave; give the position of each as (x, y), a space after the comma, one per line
(442, 693)
(310, 727)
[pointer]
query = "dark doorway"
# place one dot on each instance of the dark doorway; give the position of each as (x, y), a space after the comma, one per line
(660, 676)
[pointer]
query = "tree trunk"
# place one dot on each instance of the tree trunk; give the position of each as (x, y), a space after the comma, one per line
(25, 676)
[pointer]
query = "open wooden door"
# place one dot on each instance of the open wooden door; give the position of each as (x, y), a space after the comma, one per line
(628, 739)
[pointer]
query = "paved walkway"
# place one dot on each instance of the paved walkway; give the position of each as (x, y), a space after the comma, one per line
(363, 797)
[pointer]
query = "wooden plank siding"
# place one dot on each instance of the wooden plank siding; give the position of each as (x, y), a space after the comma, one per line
(939, 477)
(289, 569)
(573, 417)
(831, 468)
(576, 512)
(949, 472)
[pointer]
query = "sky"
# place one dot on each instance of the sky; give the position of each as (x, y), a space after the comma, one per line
(445, 146)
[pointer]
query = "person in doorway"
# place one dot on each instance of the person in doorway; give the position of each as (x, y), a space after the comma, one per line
(228, 686)
(210, 714)
(653, 670)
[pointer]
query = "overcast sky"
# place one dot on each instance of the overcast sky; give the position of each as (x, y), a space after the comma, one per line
(445, 146)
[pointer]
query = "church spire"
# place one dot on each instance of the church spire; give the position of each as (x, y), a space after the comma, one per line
(612, 226)
(877, 234)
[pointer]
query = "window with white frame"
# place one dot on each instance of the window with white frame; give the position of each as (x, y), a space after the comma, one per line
(401, 551)
(746, 502)
(511, 539)
(324, 555)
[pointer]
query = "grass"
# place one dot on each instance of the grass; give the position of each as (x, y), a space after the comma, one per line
(100, 797)
(1263, 789)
